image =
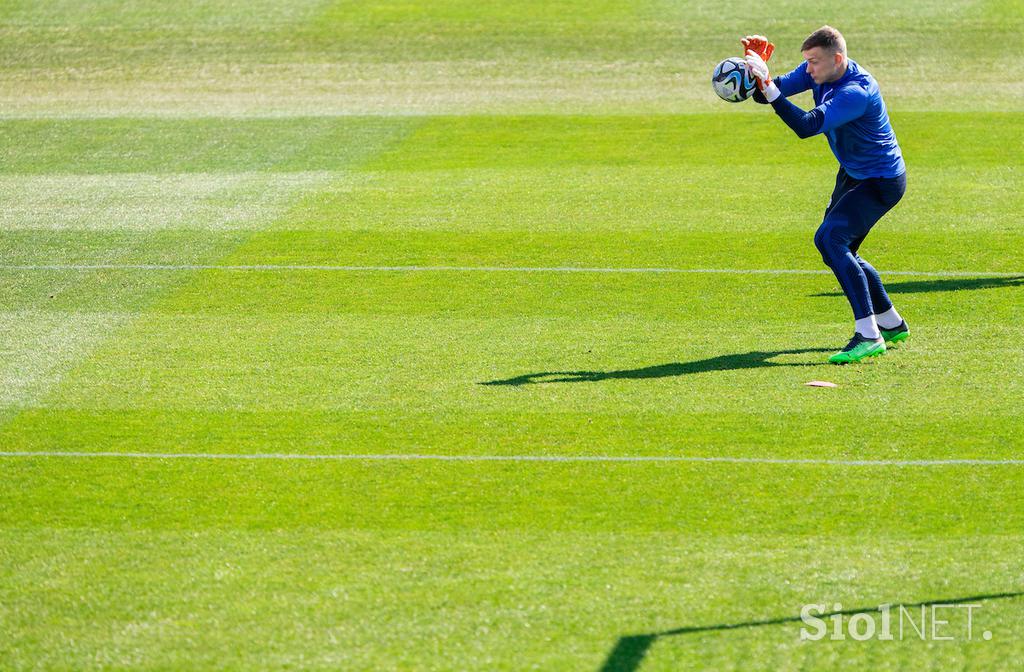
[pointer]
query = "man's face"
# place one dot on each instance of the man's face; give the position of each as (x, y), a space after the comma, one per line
(823, 66)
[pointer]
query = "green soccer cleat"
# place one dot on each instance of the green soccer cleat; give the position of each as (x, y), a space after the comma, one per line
(896, 334)
(857, 349)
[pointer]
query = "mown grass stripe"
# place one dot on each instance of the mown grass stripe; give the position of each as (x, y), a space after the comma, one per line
(342, 268)
(471, 269)
(521, 458)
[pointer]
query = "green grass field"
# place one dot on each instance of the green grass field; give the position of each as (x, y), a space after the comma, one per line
(332, 228)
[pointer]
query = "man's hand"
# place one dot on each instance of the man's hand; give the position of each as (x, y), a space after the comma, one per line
(759, 69)
(760, 45)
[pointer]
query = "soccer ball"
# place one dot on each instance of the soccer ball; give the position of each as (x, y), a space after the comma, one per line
(732, 80)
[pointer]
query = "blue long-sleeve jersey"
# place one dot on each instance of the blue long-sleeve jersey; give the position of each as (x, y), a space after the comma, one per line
(851, 114)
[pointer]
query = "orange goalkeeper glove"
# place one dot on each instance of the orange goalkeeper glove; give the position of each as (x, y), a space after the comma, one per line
(758, 44)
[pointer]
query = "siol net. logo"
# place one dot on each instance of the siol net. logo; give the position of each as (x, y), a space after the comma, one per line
(926, 622)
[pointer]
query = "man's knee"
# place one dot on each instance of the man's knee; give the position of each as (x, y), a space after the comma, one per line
(831, 241)
(822, 241)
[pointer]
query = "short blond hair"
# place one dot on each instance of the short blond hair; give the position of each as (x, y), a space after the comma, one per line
(828, 38)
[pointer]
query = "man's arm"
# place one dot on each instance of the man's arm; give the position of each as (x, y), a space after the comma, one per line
(846, 105)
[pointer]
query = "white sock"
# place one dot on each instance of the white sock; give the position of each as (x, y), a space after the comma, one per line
(867, 327)
(890, 319)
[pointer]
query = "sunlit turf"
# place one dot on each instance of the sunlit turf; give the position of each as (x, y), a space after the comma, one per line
(106, 57)
(213, 244)
(173, 360)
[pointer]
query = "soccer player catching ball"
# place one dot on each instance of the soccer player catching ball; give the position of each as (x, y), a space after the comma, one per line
(872, 176)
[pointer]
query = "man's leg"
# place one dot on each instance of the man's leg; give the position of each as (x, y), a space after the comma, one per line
(856, 206)
(833, 240)
(843, 227)
(880, 301)
(891, 324)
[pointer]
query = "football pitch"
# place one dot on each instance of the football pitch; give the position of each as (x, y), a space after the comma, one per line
(475, 336)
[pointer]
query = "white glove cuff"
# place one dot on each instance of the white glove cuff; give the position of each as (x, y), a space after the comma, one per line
(771, 93)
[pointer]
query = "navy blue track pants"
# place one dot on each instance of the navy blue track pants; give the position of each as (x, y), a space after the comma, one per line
(855, 207)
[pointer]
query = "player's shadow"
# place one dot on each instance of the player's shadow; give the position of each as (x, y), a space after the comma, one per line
(945, 285)
(629, 652)
(747, 360)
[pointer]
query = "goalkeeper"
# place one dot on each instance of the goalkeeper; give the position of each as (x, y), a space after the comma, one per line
(872, 176)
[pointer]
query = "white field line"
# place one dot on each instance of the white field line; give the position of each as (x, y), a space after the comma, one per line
(521, 458)
(471, 269)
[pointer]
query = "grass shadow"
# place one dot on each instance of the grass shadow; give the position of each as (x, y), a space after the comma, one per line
(630, 650)
(747, 360)
(945, 285)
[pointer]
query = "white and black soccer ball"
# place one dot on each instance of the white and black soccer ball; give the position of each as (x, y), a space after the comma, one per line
(732, 80)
